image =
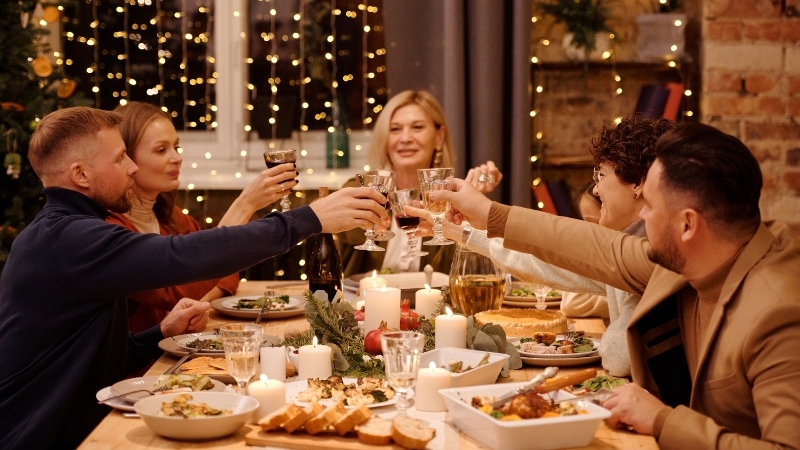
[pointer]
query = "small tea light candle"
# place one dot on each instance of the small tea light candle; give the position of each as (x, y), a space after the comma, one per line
(271, 396)
(370, 282)
(315, 361)
(382, 305)
(451, 330)
(429, 381)
(426, 301)
(273, 362)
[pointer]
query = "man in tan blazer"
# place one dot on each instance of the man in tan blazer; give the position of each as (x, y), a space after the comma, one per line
(714, 341)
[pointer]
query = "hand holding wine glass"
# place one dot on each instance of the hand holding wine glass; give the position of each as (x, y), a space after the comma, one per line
(431, 180)
(408, 223)
(274, 158)
(383, 182)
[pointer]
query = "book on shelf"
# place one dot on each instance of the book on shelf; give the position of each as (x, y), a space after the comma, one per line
(562, 198)
(542, 199)
(652, 99)
(673, 103)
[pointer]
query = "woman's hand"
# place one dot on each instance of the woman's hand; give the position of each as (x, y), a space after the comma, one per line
(268, 187)
(484, 177)
(451, 230)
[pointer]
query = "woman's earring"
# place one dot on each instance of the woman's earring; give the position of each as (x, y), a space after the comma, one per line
(635, 195)
(437, 157)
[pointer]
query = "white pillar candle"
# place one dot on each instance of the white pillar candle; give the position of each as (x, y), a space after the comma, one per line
(451, 330)
(271, 396)
(426, 394)
(382, 305)
(273, 362)
(426, 301)
(370, 282)
(315, 361)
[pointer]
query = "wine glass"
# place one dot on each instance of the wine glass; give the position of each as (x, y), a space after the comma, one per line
(384, 235)
(541, 292)
(401, 355)
(382, 181)
(277, 157)
(409, 224)
(436, 180)
(242, 346)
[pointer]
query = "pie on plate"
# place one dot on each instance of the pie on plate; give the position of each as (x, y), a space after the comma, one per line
(524, 322)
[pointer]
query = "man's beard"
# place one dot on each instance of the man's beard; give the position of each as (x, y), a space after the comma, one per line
(668, 257)
(119, 205)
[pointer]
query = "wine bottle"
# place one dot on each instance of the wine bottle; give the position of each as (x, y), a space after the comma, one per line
(325, 268)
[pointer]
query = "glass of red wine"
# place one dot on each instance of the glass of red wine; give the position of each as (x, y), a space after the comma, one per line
(275, 158)
(383, 182)
(407, 223)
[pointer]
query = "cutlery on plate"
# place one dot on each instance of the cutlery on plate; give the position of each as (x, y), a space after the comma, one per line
(153, 392)
(183, 359)
(267, 296)
(549, 372)
(597, 397)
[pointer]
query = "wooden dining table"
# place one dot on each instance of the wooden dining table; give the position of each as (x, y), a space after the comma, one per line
(125, 433)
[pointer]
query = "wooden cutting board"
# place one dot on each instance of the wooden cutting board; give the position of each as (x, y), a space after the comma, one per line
(302, 441)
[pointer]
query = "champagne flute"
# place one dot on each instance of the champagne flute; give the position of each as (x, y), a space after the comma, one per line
(386, 234)
(436, 180)
(407, 223)
(382, 181)
(277, 157)
(401, 355)
(242, 344)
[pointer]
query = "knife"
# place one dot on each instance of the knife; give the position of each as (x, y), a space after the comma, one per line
(597, 397)
(182, 360)
(268, 295)
(549, 372)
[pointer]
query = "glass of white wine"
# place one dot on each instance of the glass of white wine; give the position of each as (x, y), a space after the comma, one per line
(242, 344)
(436, 180)
(401, 355)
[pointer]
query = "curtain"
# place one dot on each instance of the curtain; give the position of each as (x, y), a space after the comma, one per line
(474, 55)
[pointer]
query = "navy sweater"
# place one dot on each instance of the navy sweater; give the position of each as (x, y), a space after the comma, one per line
(63, 317)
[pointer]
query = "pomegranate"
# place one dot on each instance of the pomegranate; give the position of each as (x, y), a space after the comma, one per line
(372, 341)
(359, 315)
(409, 320)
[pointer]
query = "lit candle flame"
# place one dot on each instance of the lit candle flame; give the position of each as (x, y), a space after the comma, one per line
(374, 275)
(428, 287)
(431, 366)
(315, 341)
(264, 378)
(448, 311)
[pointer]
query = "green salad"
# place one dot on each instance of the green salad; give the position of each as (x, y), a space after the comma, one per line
(525, 291)
(258, 303)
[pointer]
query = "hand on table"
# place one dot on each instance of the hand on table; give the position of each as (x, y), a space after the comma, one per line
(632, 406)
(350, 208)
(188, 316)
(467, 203)
(485, 177)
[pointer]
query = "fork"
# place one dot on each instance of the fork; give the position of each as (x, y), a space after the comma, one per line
(570, 335)
(153, 392)
(597, 397)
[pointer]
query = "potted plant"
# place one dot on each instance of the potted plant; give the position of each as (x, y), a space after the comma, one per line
(587, 27)
(661, 31)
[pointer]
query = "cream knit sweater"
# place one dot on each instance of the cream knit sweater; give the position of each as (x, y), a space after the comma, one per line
(614, 344)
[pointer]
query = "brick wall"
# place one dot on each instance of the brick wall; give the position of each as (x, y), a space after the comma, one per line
(750, 61)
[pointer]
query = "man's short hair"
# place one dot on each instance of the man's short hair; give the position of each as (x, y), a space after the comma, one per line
(629, 146)
(718, 172)
(60, 133)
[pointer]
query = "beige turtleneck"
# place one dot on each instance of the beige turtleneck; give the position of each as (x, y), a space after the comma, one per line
(142, 216)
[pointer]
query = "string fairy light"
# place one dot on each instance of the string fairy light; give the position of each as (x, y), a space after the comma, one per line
(300, 19)
(334, 85)
(96, 53)
(185, 63)
(365, 66)
(160, 55)
(126, 45)
(208, 115)
(273, 81)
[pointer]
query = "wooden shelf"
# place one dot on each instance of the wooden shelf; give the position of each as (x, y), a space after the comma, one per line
(604, 65)
(565, 160)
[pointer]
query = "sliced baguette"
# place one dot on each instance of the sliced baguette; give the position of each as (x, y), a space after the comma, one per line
(322, 420)
(353, 418)
(279, 417)
(411, 433)
(375, 431)
(300, 419)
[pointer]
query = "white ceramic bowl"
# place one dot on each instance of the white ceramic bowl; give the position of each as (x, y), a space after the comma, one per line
(485, 374)
(550, 433)
(198, 428)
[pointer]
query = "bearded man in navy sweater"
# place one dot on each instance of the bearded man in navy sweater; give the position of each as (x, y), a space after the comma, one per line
(63, 315)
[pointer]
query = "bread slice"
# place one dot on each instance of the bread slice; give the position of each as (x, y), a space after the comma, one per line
(375, 431)
(326, 417)
(353, 418)
(411, 433)
(300, 419)
(279, 417)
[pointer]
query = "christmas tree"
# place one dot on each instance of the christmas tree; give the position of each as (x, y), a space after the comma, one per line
(30, 88)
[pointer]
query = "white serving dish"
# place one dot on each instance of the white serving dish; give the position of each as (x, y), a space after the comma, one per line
(542, 434)
(485, 374)
(199, 428)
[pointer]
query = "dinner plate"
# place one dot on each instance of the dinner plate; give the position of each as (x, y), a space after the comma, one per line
(559, 356)
(170, 345)
(223, 306)
(186, 340)
(294, 388)
(408, 280)
(562, 362)
(149, 383)
(117, 403)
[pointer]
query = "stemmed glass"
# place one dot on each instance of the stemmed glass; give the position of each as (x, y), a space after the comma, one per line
(409, 224)
(384, 235)
(242, 346)
(401, 355)
(541, 292)
(275, 158)
(382, 181)
(436, 180)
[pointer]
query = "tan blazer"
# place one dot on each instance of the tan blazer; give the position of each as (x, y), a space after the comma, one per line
(746, 392)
